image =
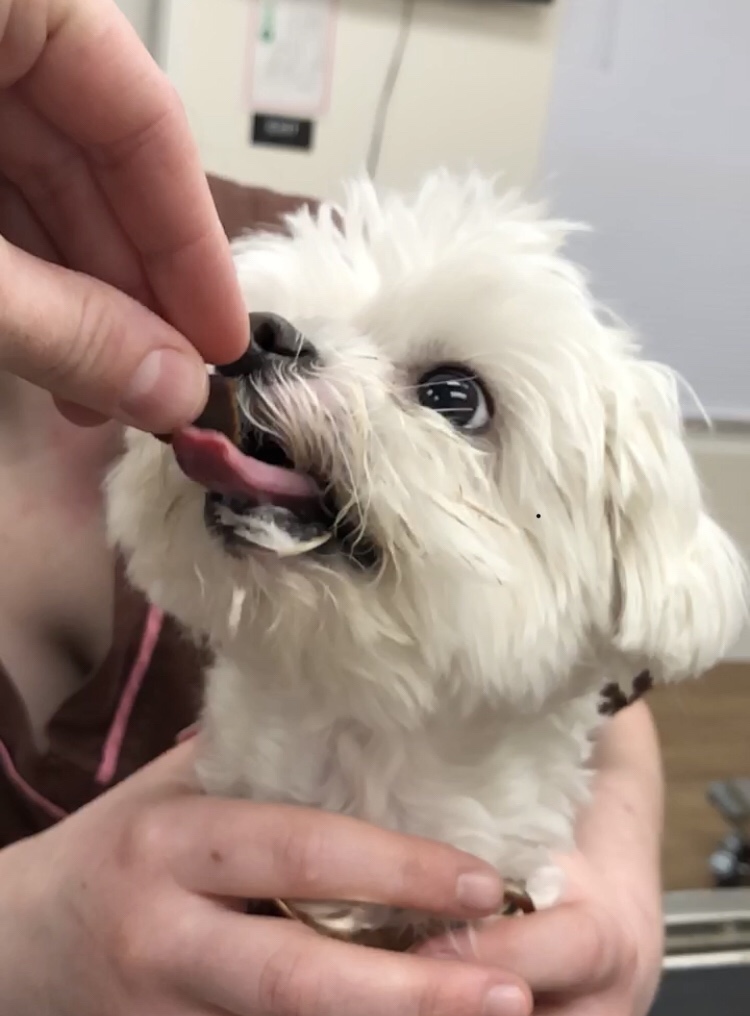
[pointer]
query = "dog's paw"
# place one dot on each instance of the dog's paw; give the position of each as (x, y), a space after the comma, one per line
(545, 886)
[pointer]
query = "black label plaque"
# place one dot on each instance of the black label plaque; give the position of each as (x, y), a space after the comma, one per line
(282, 131)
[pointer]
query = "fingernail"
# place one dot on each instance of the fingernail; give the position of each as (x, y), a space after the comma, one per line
(480, 891)
(167, 390)
(504, 1000)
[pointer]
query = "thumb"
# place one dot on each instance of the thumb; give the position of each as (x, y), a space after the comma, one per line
(89, 344)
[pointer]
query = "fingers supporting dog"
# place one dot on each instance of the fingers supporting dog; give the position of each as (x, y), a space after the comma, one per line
(555, 951)
(284, 968)
(238, 849)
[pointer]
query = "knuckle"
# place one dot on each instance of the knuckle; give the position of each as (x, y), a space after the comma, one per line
(151, 934)
(168, 114)
(300, 856)
(23, 34)
(47, 182)
(284, 987)
(629, 959)
(412, 874)
(173, 102)
(147, 840)
(98, 329)
(131, 945)
(178, 933)
(136, 944)
(597, 935)
(454, 995)
(5, 279)
(431, 999)
(81, 354)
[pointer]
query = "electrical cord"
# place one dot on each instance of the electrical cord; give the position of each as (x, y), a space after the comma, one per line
(380, 123)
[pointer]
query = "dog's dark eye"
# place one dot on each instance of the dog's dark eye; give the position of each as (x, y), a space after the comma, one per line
(456, 394)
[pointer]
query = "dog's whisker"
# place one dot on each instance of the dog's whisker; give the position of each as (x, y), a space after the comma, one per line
(239, 595)
(201, 581)
(490, 515)
(171, 507)
(451, 935)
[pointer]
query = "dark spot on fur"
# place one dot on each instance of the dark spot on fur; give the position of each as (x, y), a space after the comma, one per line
(613, 698)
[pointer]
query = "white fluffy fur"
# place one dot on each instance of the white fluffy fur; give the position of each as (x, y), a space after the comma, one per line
(454, 693)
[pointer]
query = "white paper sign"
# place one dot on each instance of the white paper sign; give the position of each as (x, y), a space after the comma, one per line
(291, 56)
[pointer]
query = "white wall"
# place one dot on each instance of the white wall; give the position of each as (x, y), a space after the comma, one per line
(475, 87)
(649, 140)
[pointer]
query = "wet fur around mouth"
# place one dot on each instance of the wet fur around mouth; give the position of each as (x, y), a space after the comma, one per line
(301, 521)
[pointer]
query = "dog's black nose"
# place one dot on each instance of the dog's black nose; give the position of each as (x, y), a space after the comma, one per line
(274, 334)
(273, 338)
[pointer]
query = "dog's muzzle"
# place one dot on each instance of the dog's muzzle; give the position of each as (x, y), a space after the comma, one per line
(255, 494)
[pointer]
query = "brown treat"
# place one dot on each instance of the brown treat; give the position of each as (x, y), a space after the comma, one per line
(389, 939)
(221, 413)
(516, 902)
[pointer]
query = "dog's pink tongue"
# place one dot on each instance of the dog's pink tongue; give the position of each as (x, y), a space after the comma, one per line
(210, 459)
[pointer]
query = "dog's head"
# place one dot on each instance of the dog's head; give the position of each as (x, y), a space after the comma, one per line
(455, 474)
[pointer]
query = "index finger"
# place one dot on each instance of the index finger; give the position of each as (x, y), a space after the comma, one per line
(95, 81)
(249, 850)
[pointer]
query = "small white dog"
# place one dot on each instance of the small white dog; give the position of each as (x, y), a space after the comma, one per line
(455, 506)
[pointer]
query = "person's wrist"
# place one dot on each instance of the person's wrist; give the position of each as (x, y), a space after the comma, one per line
(649, 931)
(638, 904)
(19, 900)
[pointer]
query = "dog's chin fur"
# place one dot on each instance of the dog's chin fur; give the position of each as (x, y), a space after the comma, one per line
(452, 690)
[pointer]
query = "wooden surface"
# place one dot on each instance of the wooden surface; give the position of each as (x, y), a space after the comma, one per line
(705, 732)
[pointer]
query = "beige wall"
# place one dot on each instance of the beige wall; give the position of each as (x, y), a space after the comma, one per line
(474, 89)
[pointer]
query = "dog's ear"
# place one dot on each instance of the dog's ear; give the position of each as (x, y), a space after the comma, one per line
(679, 593)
